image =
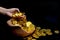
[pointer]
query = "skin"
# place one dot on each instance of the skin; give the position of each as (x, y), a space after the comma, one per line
(8, 12)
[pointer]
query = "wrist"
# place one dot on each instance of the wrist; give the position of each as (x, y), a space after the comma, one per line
(3, 10)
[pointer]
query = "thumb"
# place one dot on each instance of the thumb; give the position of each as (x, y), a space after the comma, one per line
(14, 10)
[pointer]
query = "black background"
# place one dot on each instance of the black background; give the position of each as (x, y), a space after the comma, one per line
(42, 13)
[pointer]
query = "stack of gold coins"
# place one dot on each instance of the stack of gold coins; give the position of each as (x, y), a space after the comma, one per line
(26, 25)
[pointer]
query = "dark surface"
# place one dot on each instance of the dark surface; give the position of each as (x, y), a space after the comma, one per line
(41, 13)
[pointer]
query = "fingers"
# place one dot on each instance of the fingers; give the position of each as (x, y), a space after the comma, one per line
(11, 11)
(15, 10)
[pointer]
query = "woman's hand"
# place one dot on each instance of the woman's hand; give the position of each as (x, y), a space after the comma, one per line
(10, 11)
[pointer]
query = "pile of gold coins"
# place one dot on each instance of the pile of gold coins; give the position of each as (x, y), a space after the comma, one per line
(17, 14)
(24, 24)
(28, 26)
(40, 32)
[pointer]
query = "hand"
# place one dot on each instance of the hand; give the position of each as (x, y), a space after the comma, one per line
(9, 12)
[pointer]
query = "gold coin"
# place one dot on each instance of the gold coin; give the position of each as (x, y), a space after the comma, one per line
(37, 33)
(29, 38)
(14, 22)
(28, 24)
(48, 29)
(38, 28)
(35, 36)
(43, 34)
(34, 39)
(20, 14)
(43, 30)
(49, 33)
(56, 31)
(13, 16)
